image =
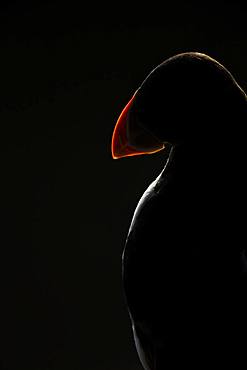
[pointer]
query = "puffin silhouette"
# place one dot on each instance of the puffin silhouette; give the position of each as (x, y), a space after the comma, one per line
(176, 277)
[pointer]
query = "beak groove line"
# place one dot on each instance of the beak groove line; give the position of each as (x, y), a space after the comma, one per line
(120, 146)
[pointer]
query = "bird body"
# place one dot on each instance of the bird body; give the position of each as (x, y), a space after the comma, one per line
(176, 269)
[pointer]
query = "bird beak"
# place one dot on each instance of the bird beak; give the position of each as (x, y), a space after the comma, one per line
(130, 138)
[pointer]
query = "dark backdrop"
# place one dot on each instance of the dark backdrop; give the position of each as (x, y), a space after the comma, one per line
(67, 69)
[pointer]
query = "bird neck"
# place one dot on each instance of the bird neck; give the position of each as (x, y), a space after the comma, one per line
(194, 160)
(196, 152)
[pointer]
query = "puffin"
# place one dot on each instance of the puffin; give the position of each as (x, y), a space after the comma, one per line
(180, 293)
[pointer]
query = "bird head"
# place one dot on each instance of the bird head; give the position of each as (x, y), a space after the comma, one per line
(182, 101)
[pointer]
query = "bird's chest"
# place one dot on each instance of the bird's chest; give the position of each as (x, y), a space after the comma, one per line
(176, 215)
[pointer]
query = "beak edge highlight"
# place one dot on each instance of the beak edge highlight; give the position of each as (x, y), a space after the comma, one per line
(120, 146)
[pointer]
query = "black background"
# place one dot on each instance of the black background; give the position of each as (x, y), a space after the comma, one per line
(67, 70)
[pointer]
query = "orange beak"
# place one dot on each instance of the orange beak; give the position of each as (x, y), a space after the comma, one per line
(130, 139)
